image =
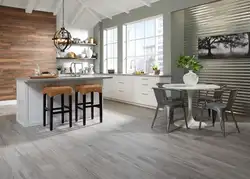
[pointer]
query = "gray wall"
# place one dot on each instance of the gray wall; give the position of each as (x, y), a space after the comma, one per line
(224, 17)
(164, 7)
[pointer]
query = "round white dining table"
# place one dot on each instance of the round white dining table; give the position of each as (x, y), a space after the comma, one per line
(190, 91)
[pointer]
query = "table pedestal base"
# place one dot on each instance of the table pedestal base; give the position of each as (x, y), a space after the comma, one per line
(192, 124)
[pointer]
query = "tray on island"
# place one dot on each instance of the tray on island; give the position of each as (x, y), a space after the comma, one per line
(43, 76)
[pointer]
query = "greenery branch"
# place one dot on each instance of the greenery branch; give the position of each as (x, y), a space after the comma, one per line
(190, 63)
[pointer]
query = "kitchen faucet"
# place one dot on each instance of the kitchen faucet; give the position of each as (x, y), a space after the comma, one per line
(74, 65)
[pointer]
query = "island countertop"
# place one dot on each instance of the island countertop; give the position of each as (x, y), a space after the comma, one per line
(65, 78)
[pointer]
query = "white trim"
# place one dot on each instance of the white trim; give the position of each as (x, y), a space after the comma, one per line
(58, 7)
(144, 2)
(8, 102)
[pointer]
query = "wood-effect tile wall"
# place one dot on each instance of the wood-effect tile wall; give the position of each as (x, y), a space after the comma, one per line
(25, 40)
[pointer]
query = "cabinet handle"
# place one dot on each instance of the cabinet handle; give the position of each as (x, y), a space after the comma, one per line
(121, 82)
(145, 94)
(145, 79)
(145, 84)
(121, 91)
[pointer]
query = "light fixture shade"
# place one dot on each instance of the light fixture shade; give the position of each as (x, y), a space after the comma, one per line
(62, 39)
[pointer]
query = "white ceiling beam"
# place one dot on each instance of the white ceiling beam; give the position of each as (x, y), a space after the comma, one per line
(58, 6)
(79, 12)
(30, 6)
(146, 3)
(88, 8)
(94, 14)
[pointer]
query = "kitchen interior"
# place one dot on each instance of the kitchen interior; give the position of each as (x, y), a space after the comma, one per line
(115, 89)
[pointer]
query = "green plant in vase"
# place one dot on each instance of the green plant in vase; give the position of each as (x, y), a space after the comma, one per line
(156, 69)
(192, 64)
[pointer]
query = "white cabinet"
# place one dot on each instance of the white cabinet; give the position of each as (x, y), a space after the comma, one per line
(133, 89)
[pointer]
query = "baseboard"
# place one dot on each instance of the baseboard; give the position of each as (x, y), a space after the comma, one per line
(8, 102)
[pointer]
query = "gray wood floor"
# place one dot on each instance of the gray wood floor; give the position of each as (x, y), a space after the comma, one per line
(123, 147)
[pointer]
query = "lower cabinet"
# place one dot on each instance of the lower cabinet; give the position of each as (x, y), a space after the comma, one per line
(133, 89)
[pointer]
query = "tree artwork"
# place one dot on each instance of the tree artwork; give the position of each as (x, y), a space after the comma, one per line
(225, 46)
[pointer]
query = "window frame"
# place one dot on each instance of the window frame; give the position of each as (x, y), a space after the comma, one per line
(156, 38)
(106, 43)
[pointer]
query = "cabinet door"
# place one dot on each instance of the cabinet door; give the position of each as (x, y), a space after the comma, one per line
(108, 88)
(124, 88)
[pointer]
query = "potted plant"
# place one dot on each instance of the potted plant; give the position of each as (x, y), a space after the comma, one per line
(193, 65)
(59, 69)
(156, 70)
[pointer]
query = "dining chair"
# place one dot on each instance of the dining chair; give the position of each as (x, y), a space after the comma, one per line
(163, 102)
(215, 97)
(221, 109)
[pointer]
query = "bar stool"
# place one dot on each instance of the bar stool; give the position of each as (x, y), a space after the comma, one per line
(52, 92)
(84, 90)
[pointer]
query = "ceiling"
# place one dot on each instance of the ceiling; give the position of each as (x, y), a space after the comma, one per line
(79, 13)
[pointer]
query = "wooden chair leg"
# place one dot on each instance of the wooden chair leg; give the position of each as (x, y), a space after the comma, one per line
(70, 110)
(92, 103)
(44, 109)
(156, 113)
(101, 107)
(51, 112)
(201, 118)
(76, 106)
(222, 122)
(62, 108)
(84, 109)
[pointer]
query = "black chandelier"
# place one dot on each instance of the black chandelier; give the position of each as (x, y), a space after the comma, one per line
(62, 38)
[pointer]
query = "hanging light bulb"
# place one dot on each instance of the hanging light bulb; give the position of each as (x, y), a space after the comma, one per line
(62, 38)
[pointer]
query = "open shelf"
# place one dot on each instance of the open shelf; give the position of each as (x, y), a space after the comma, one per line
(84, 44)
(67, 58)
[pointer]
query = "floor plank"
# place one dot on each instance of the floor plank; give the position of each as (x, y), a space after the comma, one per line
(123, 147)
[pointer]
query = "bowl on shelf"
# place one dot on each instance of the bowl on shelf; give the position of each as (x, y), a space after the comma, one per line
(111, 71)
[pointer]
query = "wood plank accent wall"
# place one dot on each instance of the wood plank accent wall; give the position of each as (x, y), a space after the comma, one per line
(25, 40)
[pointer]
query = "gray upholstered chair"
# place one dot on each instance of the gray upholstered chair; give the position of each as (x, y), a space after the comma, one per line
(163, 102)
(221, 110)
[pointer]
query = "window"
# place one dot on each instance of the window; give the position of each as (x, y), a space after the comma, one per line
(143, 45)
(110, 49)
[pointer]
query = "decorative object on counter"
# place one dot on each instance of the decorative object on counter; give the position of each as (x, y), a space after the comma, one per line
(139, 72)
(37, 71)
(59, 70)
(94, 55)
(86, 41)
(193, 65)
(91, 40)
(156, 70)
(76, 40)
(71, 55)
(111, 71)
(62, 38)
(91, 69)
(89, 53)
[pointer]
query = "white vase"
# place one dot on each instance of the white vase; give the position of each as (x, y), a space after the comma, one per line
(190, 78)
(89, 53)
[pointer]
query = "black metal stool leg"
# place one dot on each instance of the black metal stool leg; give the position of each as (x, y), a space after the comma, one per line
(84, 109)
(44, 109)
(100, 106)
(51, 112)
(92, 105)
(62, 108)
(70, 110)
(76, 106)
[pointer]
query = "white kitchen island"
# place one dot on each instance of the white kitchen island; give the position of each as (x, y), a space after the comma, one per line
(30, 97)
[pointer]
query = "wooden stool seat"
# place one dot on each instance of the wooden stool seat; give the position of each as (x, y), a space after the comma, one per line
(83, 90)
(57, 90)
(52, 92)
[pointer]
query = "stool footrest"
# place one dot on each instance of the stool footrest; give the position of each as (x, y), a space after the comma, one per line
(96, 106)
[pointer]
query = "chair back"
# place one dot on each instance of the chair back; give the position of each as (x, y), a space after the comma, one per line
(231, 98)
(161, 96)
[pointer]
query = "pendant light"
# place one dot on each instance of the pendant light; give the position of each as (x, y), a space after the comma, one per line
(62, 38)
